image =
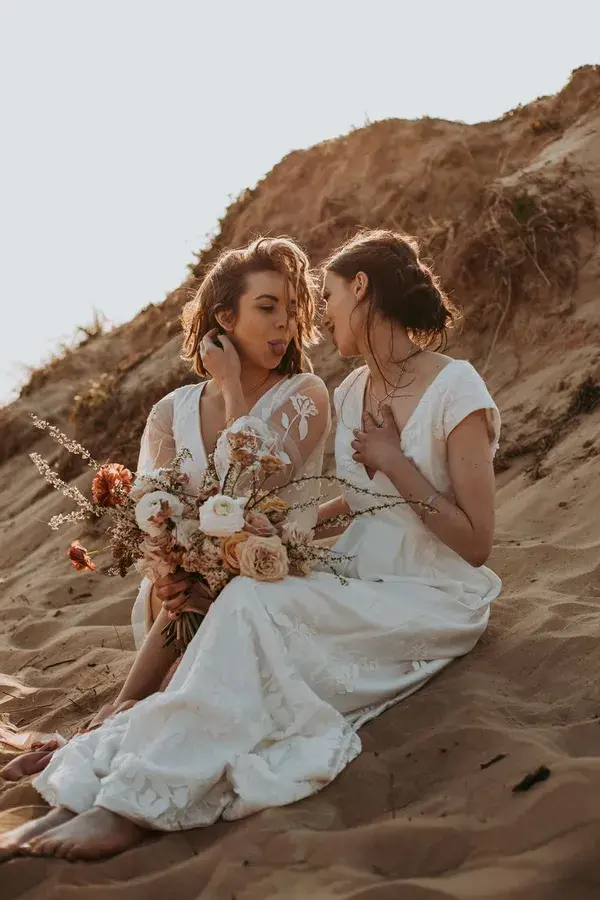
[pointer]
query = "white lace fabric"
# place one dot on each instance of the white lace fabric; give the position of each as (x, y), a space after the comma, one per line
(265, 706)
(297, 413)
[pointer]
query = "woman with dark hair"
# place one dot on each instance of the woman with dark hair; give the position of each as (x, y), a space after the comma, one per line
(266, 703)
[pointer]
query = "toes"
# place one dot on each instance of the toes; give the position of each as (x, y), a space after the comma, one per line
(72, 852)
(36, 847)
(62, 849)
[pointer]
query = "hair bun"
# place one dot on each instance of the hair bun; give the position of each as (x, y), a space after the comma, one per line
(423, 307)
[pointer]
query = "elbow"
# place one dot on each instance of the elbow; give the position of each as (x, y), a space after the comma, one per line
(478, 556)
(477, 560)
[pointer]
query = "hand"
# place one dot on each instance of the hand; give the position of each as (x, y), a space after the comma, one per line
(171, 586)
(196, 598)
(377, 447)
(108, 710)
(223, 364)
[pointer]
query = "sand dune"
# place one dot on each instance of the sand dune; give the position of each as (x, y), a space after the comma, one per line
(428, 811)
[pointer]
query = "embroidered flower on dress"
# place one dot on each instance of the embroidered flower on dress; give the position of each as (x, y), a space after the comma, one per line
(304, 408)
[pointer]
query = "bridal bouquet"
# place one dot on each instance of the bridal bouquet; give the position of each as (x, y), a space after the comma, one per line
(233, 526)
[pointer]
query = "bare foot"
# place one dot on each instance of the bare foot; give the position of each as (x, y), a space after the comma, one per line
(94, 834)
(12, 842)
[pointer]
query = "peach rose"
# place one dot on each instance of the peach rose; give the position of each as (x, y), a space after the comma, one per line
(257, 523)
(263, 558)
(158, 558)
(229, 549)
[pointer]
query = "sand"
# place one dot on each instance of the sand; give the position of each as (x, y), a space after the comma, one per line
(428, 810)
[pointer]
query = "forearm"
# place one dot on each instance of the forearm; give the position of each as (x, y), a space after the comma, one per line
(151, 664)
(442, 517)
(336, 507)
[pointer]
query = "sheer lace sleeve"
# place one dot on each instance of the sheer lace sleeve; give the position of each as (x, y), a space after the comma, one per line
(466, 394)
(157, 447)
(294, 425)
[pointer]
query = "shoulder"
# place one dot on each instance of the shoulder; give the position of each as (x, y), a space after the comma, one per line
(351, 381)
(462, 376)
(465, 393)
(303, 384)
(167, 404)
(305, 381)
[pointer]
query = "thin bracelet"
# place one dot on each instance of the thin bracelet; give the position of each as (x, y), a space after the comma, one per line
(428, 503)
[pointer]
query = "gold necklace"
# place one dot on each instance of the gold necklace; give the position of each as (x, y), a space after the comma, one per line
(375, 401)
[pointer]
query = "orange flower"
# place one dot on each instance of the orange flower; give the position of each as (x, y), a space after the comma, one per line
(110, 483)
(80, 558)
(229, 549)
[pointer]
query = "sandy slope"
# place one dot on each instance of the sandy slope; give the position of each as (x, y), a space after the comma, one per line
(416, 816)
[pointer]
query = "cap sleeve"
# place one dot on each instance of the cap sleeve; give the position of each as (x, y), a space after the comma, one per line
(467, 393)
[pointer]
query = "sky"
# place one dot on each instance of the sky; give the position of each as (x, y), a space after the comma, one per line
(127, 126)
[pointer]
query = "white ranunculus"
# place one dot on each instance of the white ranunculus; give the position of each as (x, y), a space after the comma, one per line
(152, 511)
(186, 531)
(221, 516)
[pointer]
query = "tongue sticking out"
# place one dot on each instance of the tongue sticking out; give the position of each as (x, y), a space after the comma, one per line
(278, 347)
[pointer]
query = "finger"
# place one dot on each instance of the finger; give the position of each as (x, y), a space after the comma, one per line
(125, 705)
(388, 416)
(226, 343)
(178, 575)
(208, 341)
(200, 608)
(172, 590)
(174, 604)
(369, 422)
(199, 589)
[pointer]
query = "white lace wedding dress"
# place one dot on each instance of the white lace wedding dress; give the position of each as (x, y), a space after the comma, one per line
(265, 705)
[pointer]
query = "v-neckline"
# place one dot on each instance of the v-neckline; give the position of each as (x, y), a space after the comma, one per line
(434, 381)
(250, 412)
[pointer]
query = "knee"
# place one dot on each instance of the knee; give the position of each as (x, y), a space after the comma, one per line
(235, 596)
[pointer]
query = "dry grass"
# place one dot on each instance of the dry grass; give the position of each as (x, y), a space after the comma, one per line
(37, 377)
(111, 426)
(523, 245)
(584, 400)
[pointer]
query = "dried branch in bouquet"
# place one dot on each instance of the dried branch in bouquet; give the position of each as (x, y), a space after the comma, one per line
(68, 443)
(67, 490)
